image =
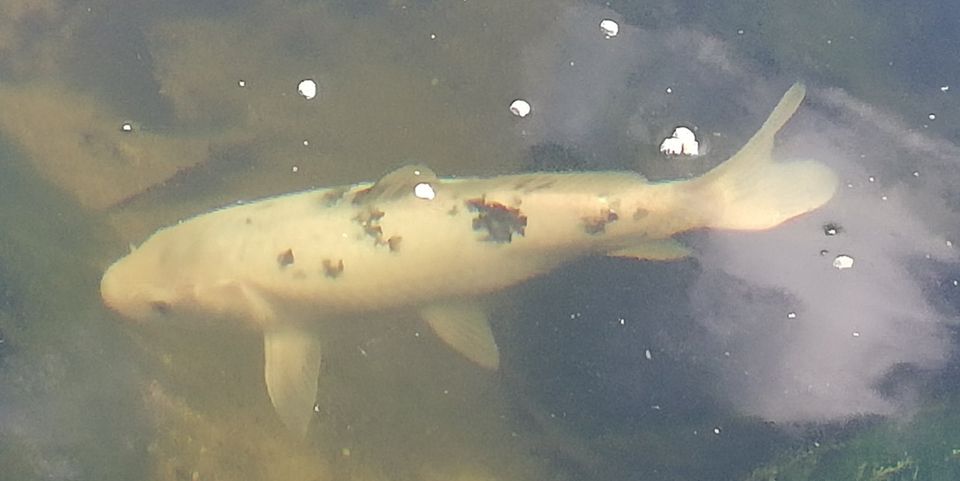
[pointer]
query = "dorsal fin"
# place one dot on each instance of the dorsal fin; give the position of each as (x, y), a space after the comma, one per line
(396, 184)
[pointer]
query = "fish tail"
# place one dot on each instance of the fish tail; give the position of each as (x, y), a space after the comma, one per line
(756, 193)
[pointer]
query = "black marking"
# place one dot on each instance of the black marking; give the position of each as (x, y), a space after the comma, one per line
(369, 220)
(598, 224)
(248, 221)
(832, 229)
(333, 197)
(332, 270)
(394, 243)
(285, 258)
(640, 213)
(161, 307)
(374, 231)
(500, 221)
(453, 210)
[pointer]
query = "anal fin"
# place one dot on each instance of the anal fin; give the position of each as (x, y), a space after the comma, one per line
(465, 328)
(291, 367)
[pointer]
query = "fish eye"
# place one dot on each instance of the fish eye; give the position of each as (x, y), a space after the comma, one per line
(161, 307)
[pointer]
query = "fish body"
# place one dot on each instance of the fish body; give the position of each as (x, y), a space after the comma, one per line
(342, 252)
(414, 241)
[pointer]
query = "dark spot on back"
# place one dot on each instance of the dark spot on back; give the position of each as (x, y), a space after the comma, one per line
(374, 231)
(333, 197)
(161, 307)
(248, 221)
(394, 243)
(331, 269)
(598, 224)
(285, 258)
(369, 220)
(640, 213)
(499, 221)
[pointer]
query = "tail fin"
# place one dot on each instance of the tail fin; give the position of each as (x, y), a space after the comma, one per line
(756, 193)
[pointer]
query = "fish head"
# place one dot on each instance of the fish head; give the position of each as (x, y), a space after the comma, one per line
(151, 283)
(130, 288)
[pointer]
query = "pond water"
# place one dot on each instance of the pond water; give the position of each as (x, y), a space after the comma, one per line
(822, 348)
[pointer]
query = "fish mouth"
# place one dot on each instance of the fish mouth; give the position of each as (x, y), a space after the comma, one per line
(115, 292)
(110, 289)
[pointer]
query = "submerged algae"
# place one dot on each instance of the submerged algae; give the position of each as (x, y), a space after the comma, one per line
(923, 448)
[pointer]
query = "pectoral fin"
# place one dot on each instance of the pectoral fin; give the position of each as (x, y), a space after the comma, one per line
(291, 366)
(661, 250)
(465, 328)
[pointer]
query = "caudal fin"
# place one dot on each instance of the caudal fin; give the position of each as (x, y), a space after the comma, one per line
(756, 193)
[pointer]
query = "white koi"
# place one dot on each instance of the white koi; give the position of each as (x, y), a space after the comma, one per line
(412, 241)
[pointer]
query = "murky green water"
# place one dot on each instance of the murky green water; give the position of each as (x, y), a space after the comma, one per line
(754, 359)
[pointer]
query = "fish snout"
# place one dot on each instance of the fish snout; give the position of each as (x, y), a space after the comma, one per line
(123, 296)
(111, 290)
(127, 293)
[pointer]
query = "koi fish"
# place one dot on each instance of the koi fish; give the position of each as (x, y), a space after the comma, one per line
(291, 264)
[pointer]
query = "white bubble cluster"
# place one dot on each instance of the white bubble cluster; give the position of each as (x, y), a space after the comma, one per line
(682, 142)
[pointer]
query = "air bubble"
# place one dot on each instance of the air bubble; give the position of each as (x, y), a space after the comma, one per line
(307, 88)
(843, 261)
(609, 28)
(682, 142)
(424, 190)
(520, 108)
